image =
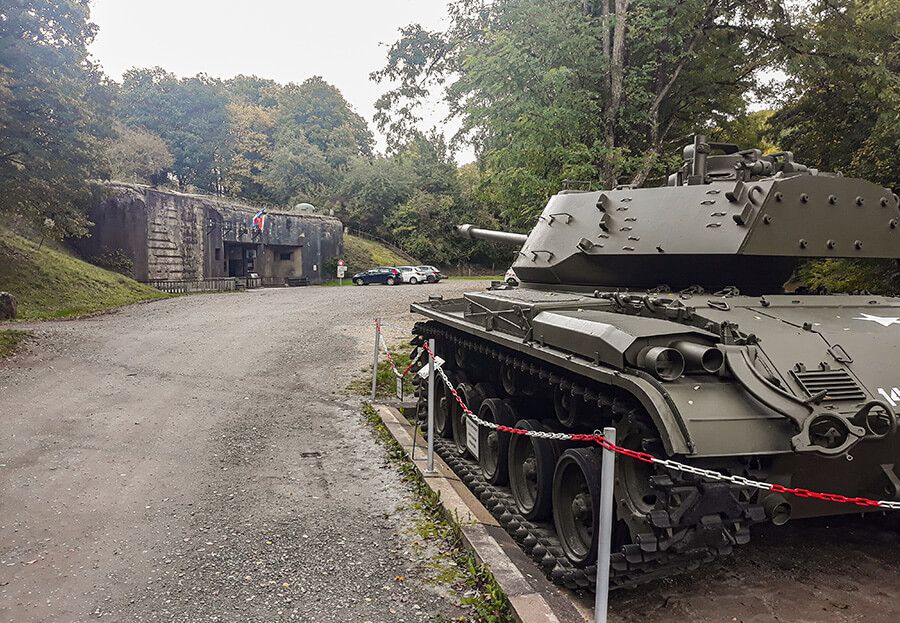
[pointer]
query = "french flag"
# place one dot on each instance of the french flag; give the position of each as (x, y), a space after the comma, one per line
(259, 220)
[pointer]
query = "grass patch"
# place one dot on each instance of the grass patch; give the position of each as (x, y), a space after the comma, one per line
(362, 254)
(455, 565)
(11, 341)
(386, 382)
(51, 284)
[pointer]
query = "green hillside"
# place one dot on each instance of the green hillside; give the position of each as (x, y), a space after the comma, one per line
(362, 254)
(52, 284)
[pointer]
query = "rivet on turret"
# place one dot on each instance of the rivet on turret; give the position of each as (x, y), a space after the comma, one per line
(831, 244)
(832, 199)
(778, 196)
(767, 219)
(803, 243)
(883, 202)
(859, 201)
(893, 223)
(804, 198)
(858, 244)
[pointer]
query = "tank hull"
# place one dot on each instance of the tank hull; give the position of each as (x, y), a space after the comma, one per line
(594, 347)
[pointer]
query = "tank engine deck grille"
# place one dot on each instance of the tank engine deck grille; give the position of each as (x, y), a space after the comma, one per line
(838, 384)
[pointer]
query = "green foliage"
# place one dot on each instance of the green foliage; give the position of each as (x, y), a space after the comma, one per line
(549, 90)
(136, 155)
(54, 110)
(190, 114)
(842, 109)
(848, 276)
(11, 341)
(52, 284)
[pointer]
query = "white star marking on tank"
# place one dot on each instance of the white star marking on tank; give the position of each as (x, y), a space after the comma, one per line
(882, 320)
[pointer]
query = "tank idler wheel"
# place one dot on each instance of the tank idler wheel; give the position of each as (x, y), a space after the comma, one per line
(493, 446)
(473, 396)
(443, 408)
(569, 408)
(576, 503)
(531, 464)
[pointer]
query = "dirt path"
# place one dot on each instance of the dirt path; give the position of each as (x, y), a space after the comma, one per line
(198, 460)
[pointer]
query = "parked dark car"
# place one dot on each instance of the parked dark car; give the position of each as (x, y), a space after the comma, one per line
(381, 274)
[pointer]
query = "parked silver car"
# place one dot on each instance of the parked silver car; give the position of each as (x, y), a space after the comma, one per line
(411, 274)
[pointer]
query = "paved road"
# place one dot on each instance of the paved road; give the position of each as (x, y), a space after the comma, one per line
(197, 459)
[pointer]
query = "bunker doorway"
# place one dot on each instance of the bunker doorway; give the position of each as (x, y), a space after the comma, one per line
(240, 258)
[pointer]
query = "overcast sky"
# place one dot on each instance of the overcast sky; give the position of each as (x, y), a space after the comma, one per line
(286, 40)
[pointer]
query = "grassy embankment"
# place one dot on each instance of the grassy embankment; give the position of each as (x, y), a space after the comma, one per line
(51, 284)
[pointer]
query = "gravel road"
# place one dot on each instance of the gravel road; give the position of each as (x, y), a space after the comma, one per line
(197, 459)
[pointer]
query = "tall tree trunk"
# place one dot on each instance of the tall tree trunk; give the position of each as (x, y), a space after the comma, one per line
(614, 54)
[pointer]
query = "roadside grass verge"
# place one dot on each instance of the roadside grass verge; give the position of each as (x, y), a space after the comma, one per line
(386, 383)
(455, 565)
(51, 284)
(11, 341)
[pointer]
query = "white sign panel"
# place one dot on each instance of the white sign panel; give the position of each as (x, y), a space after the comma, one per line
(341, 271)
(400, 388)
(472, 437)
(438, 362)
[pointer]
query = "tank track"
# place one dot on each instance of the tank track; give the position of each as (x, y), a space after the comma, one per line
(695, 522)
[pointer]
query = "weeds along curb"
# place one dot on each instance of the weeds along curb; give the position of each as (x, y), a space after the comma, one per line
(491, 553)
(489, 604)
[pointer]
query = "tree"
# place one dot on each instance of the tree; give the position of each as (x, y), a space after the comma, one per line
(54, 111)
(190, 114)
(251, 141)
(555, 89)
(137, 155)
(317, 134)
(842, 108)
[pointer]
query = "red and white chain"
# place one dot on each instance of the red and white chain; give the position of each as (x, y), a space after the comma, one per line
(390, 358)
(708, 474)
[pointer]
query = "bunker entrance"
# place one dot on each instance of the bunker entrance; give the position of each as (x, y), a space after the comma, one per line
(240, 258)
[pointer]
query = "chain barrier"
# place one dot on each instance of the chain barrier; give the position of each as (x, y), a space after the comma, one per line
(390, 358)
(708, 474)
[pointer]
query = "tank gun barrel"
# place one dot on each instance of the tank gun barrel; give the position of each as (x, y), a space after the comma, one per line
(506, 237)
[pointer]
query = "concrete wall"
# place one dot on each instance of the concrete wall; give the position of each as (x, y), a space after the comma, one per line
(177, 236)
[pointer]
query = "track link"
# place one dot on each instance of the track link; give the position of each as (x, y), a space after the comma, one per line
(692, 523)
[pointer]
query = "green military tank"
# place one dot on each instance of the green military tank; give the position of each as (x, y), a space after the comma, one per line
(661, 312)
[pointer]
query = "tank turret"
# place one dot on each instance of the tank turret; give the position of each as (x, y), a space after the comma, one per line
(729, 217)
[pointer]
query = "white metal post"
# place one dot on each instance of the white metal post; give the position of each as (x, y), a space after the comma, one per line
(607, 482)
(375, 359)
(431, 398)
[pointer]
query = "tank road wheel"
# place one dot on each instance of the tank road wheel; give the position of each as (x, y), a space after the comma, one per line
(568, 408)
(443, 408)
(514, 383)
(576, 503)
(493, 446)
(576, 495)
(473, 396)
(531, 465)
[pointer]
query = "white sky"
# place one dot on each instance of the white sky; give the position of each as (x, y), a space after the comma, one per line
(286, 40)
